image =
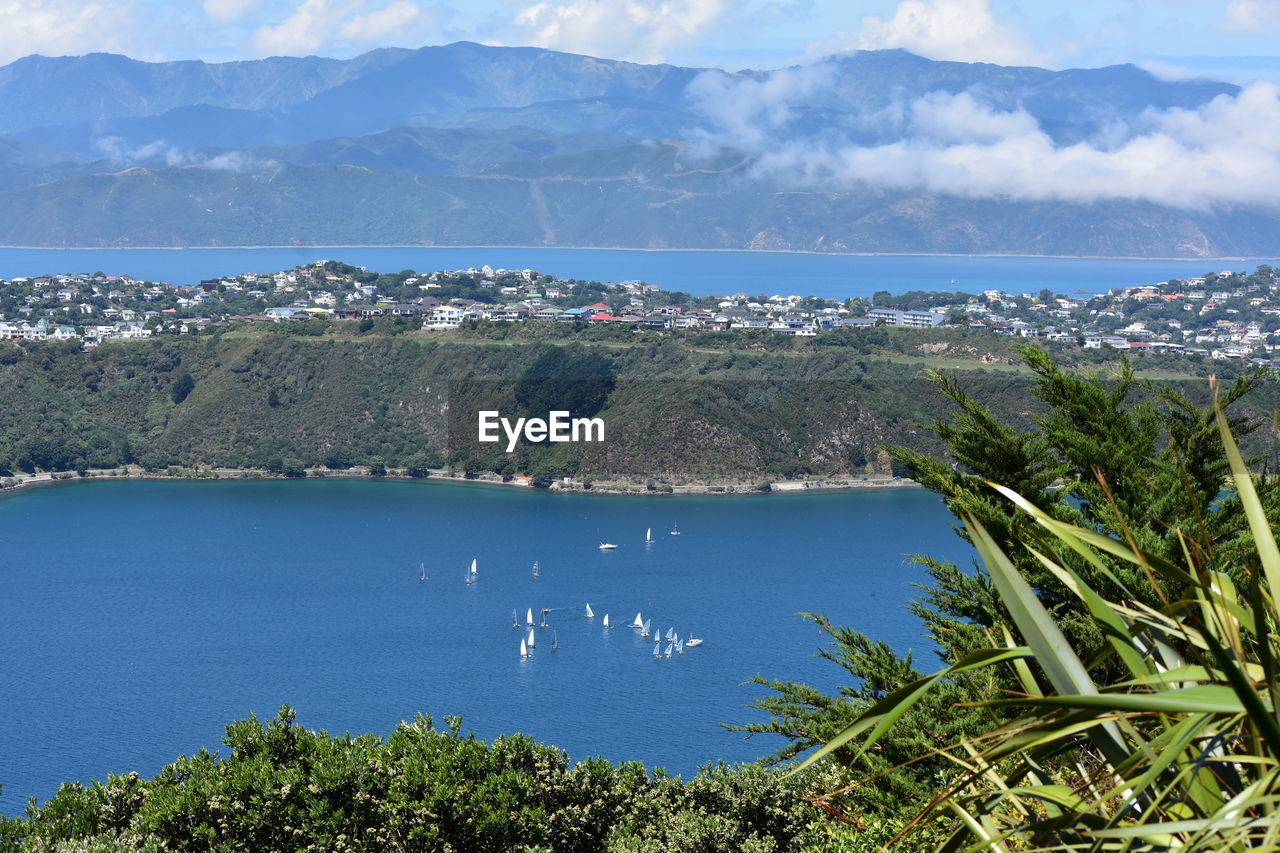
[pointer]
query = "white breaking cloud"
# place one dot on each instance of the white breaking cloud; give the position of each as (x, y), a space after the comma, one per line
(1226, 152)
(224, 11)
(66, 27)
(316, 25)
(961, 30)
(638, 30)
(1246, 16)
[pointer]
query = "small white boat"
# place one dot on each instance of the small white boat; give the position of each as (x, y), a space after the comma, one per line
(531, 640)
(515, 620)
(675, 529)
(637, 622)
(590, 615)
(671, 634)
(422, 571)
(607, 546)
(693, 641)
(524, 651)
(657, 652)
(648, 534)
(545, 611)
(667, 653)
(535, 570)
(473, 574)
(679, 647)
(528, 616)
(605, 623)
(555, 644)
(644, 629)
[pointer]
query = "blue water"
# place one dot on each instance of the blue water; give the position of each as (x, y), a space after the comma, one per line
(699, 273)
(138, 618)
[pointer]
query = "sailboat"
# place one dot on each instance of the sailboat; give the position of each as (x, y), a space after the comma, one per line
(535, 570)
(524, 651)
(555, 644)
(605, 623)
(671, 632)
(637, 622)
(679, 647)
(473, 574)
(515, 620)
(675, 529)
(545, 611)
(648, 534)
(531, 640)
(469, 578)
(657, 652)
(644, 629)
(528, 617)
(590, 615)
(422, 571)
(667, 653)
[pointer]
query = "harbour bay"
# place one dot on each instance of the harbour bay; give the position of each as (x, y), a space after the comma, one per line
(700, 273)
(138, 618)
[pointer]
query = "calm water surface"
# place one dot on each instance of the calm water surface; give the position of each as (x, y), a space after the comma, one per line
(138, 618)
(699, 273)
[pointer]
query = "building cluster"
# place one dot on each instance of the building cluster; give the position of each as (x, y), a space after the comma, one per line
(1220, 315)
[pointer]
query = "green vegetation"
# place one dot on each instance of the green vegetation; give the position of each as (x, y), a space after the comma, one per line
(281, 787)
(1111, 562)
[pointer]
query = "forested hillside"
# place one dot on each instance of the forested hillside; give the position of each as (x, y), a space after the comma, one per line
(674, 413)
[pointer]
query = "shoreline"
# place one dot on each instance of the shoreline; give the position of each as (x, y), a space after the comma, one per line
(325, 247)
(611, 488)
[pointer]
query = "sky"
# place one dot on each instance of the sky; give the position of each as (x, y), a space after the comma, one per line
(1228, 39)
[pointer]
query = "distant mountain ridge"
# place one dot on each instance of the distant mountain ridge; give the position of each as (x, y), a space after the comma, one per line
(470, 144)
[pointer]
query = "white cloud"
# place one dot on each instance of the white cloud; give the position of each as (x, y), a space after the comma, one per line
(639, 30)
(1225, 152)
(1246, 16)
(64, 27)
(375, 26)
(316, 25)
(962, 30)
(224, 11)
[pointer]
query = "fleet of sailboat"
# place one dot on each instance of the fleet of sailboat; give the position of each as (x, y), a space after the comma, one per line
(528, 642)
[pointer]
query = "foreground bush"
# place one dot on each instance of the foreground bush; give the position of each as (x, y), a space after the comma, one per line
(1165, 738)
(283, 787)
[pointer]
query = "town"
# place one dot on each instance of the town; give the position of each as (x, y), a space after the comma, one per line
(1223, 315)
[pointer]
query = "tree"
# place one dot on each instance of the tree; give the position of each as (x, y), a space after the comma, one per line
(1125, 458)
(182, 388)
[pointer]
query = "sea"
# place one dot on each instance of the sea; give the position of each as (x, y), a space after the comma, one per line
(699, 273)
(138, 618)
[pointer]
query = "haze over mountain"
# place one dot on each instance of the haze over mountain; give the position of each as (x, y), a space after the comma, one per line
(873, 151)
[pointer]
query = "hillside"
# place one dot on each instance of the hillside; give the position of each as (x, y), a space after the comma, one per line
(673, 414)
(471, 145)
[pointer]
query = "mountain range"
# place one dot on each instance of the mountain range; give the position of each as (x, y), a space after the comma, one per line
(466, 144)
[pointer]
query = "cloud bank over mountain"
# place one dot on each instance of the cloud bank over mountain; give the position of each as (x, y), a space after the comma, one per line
(1224, 152)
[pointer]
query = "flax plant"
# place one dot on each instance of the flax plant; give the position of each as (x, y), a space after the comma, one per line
(1179, 751)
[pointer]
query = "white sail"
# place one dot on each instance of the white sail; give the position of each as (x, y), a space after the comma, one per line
(606, 620)
(473, 567)
(667, 652)
(531, 642)
(535, 568)
(648, 534)
(515, 620)
(637, 622)
(590, 615)
(555, 644)
(657, 651)
(671, 633)
(644, 629)
(524, 652)
(528, 616)
(679, 647)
